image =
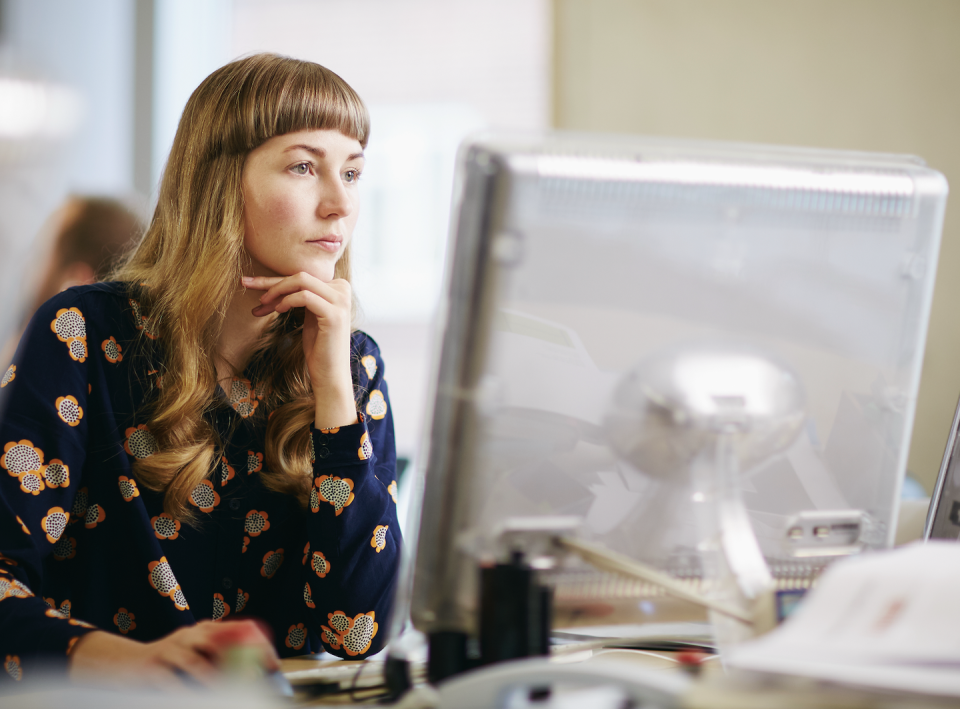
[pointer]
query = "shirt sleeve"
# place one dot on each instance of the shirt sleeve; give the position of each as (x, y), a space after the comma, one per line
(43, 433)
(351, 561)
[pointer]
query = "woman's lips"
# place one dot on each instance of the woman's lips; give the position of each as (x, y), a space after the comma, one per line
(328, 243)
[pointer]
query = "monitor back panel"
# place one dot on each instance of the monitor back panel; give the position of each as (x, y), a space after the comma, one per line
(575, 258)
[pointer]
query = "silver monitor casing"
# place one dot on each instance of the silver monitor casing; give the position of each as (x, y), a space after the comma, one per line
(574, 257)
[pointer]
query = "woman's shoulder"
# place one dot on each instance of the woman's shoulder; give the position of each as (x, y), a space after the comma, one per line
(364, 345)
(107, 295)
(86, 305)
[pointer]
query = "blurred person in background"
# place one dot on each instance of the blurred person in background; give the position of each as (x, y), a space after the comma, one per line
(207, 437)
(81, 243)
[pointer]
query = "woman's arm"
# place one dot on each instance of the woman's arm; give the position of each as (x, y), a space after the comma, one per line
(351, 562)
(351, 565)
(43, 435)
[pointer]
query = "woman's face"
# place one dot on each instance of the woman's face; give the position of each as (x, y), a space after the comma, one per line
(300, 202)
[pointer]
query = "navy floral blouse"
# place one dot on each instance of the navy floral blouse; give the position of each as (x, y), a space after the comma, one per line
(83, 546)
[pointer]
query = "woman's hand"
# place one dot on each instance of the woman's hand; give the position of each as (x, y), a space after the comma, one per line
(196, 651)
(326, 337)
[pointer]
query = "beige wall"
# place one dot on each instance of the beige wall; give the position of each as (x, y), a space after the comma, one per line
(878, 75)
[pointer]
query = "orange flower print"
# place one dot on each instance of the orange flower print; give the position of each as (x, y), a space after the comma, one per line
(329, 637)
(337, 491)
(355, 635)
(308, 596)
(255, 523)
(142, 321)
(254, 462)
(11, 588)
(71, 329)
(128, 488)
(369, 365)
(366, 448)
(12, 666)
(242, 397)
(242, 599)
(320, 564)
(54, 613)
(226, 472)
(161, 578)
(271, 562)
(9, 375)
(392, 489)
(54, 523)
(69, 410)
(330, 431)
(204, 496)
(31, 483)
(21, 457)
(23, 526)
(140, 442)
(379, 539)
(306, 553)
(377, 405)
(314, 499)
(246, 543)
(81, 623)
(158, 378)
(57, 474)
(62, 612)
(80, 503)
(296, 636)
(363, 629)
(112, 350)
(221, 609)
(65, 549)
(71, 642)
(13, 562)
(95, 515)
(165, 526)
(123, 619)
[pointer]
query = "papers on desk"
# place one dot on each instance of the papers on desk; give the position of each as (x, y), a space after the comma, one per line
(887, 620)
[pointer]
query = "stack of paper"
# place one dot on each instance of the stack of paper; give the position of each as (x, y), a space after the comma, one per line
(887, 620)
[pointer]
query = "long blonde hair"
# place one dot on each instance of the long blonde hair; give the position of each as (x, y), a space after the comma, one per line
(187, 268)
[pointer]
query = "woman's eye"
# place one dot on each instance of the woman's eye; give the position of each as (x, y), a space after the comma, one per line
(351, 175)
(301, 169)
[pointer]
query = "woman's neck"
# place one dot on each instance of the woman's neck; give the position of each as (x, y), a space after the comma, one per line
(239, 335)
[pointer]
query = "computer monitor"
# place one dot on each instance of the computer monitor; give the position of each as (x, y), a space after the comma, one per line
(576, 257)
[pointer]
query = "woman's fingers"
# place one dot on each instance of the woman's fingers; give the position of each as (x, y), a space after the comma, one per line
(313, 293)
(275, 288)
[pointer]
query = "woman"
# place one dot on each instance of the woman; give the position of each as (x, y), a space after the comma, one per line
(206, 437)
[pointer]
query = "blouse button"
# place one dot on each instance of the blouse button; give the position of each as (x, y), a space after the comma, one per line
(227, 582)
(323, 452)
(235, 504)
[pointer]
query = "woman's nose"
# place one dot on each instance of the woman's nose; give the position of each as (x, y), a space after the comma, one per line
(334, 200)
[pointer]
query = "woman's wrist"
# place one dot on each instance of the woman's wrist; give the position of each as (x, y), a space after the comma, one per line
(334, 404)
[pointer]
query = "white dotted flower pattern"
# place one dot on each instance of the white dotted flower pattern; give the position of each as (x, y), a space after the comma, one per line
(354, 635)
(71, 329)
(161, 578)
(369, 363)
(377, 405)
(336, 491)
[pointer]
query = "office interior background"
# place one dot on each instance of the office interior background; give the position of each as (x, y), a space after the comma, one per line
(875, 75)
